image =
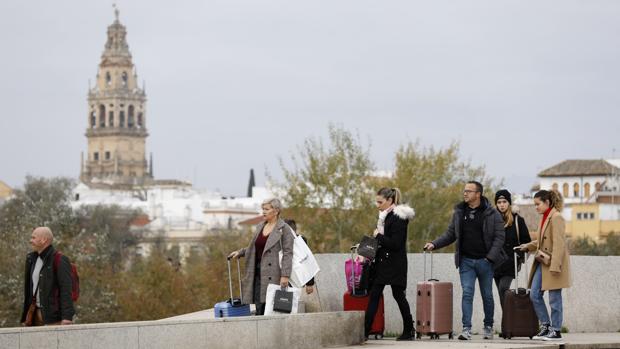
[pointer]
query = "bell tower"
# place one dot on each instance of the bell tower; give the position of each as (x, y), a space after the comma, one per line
(116, 119)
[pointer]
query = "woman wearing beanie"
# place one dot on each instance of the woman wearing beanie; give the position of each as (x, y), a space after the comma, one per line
(551, 267)
(390, 265)
(516, 234)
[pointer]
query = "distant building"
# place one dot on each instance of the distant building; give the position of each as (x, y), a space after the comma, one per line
(116, 119)
(591, 192)
(5, 192)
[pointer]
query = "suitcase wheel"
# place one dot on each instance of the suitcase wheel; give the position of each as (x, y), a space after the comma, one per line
(451, 335)
(378, 336)
(418, 335)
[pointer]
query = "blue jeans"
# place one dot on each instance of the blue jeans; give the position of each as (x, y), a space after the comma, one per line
(469, 270)
(555, 301)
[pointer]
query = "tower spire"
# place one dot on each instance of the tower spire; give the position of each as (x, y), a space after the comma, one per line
(116, 11)
(251, 184)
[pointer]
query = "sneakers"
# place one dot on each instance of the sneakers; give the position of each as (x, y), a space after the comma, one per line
(553, 335)
(488, 332)
(466, 334)
(544, 331)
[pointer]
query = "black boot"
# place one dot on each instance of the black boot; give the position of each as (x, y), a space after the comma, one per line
(407, 329)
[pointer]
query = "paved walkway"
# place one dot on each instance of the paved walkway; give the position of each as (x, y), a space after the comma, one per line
(570, 340)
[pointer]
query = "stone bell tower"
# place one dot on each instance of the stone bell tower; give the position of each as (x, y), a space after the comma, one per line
(116, 130)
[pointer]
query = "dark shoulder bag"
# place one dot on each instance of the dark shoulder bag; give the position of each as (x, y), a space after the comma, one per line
(368, 247)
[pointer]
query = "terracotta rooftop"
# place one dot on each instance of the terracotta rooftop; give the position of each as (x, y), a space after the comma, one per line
(580, 168)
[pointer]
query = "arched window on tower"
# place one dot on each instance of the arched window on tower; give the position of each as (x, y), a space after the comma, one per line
(576, 190)
(108, 78)
(102, 116)
(597, 186)
(124, 77)
(93, 119)
(110, 119)
(586, 189)
(554, 186)
(140, 121)
(130, 117)
(565, 190)
(121, 119)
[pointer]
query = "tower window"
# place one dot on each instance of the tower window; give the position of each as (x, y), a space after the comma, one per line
(108, 79)
(96, 156)
(102, 115)
(107, 155)
(111, 119)
(121, 121)
(93, 119)
(140, 120)
(130, 118)
(124, 77)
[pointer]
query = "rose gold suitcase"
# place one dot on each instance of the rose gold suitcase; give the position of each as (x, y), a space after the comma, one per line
(433, 306)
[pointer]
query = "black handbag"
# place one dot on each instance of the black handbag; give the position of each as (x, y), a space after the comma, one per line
(368, 247)
(283, 301)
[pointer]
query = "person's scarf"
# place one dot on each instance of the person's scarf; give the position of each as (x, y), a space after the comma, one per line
(381, 221)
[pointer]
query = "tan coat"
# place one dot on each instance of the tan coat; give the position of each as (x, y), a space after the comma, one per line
(280, 238)
(552, 240)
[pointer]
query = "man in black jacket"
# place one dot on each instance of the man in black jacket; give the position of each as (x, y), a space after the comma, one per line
(478, 230)
(49, 288)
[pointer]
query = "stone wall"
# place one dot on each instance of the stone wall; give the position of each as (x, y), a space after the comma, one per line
(591, 305)
(310, 331)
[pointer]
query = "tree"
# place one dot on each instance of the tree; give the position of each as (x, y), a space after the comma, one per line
(432, 181)
(329, 191)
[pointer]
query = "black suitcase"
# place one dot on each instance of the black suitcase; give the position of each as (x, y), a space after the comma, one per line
(519, 318)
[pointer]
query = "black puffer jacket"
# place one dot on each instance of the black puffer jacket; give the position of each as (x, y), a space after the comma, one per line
(390, 265)
(511, 241)
(54, 290)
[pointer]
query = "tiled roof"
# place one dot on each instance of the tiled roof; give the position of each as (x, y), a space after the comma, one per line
(580, 168)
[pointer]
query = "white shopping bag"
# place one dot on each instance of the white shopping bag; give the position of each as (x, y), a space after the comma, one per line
(270, 296)
(305, 266)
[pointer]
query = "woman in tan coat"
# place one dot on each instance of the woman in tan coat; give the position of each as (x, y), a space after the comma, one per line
(553, 274)
(263, 262)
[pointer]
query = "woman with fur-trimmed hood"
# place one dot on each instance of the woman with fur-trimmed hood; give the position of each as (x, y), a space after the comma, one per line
(390, 265)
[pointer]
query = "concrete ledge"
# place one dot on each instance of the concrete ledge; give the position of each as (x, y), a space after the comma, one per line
(314, 330)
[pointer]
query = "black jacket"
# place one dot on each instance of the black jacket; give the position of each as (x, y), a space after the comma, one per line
(54, 290)
(390, 265)
(511, 241)
(493, 233)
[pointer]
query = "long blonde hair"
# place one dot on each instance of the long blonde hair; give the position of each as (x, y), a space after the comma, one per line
(508, 217)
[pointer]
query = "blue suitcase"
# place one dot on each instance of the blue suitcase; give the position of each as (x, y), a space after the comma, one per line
(232, 307)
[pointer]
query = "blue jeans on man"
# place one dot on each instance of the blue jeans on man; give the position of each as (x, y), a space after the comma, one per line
(555, 301)
(469, 271)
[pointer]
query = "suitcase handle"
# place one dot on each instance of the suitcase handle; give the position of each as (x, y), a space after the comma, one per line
(431, 253)
(232, 299)
(517, 270)
(353, 251)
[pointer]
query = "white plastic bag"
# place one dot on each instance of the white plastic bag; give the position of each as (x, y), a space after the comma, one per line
(305, 266)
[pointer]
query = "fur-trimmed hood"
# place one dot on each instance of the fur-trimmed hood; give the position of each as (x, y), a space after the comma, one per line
(404, 212)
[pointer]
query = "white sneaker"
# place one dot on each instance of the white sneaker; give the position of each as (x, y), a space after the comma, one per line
(488, 332)
(466, 334)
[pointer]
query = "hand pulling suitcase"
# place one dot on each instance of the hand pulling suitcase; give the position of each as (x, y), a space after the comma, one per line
(356, 301)
(233, 307)
(518, 318)
(433, 306)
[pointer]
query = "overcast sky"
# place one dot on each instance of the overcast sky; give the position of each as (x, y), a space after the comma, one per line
(233, 85)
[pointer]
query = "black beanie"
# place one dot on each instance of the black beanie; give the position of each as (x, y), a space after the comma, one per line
(503, 194)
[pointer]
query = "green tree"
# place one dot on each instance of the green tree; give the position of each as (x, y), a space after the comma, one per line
(329, 190)
(432, 181)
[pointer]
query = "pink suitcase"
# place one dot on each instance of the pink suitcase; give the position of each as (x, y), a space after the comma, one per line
(433, 306)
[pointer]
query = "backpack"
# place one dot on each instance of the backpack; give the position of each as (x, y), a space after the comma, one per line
(75, 278)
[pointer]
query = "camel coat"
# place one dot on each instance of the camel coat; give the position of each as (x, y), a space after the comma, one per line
(281, 238)
(551, 239)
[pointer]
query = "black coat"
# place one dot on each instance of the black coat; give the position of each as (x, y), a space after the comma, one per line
(390, 265)
(511, 241)
(54, 290)
(493, 234)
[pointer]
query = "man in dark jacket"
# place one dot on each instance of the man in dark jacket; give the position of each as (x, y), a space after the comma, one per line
(49, 288)
(478, 230)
